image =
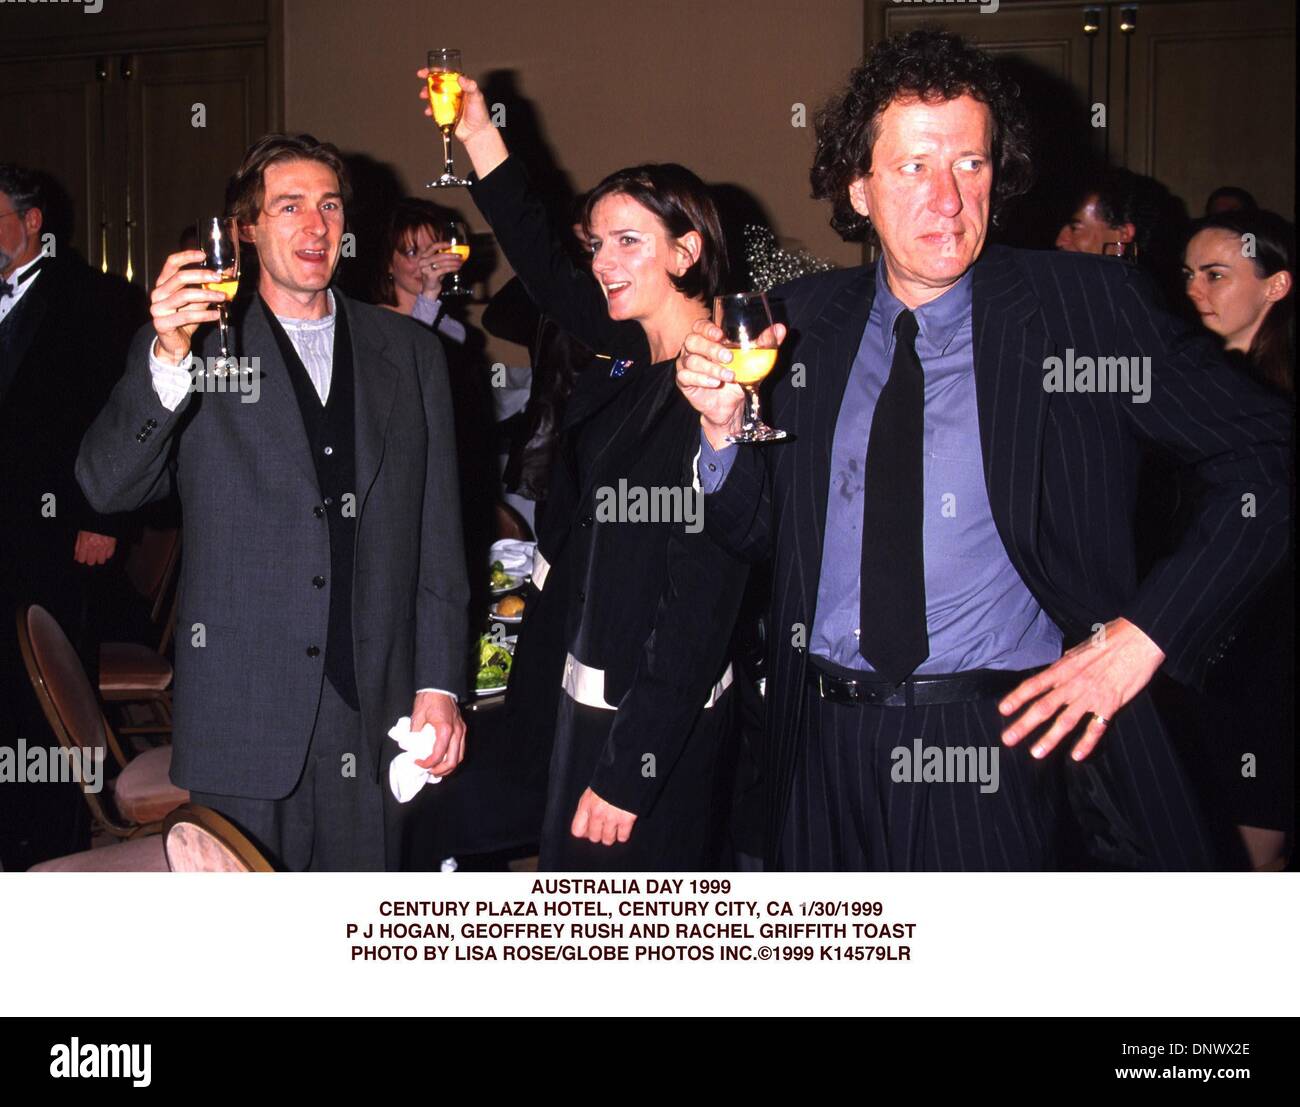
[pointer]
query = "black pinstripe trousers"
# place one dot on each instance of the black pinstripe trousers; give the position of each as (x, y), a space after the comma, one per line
(849, 809)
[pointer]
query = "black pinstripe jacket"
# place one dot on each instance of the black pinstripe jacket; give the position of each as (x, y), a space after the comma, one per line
(1061, 470)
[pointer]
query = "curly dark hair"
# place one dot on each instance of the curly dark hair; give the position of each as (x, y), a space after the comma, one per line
(925, 64)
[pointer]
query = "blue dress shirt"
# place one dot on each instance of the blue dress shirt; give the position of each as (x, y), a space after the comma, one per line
(979, 613)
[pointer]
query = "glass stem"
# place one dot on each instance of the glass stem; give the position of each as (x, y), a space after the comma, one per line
(225, 333)
(446, 154)
(751, 406)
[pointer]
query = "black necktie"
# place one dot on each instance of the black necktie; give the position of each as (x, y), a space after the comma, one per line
(892, 631)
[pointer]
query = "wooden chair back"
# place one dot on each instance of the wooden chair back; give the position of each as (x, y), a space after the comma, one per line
(199, 840)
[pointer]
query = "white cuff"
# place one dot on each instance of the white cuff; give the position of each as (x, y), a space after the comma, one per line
(454, 697)
(170, 382)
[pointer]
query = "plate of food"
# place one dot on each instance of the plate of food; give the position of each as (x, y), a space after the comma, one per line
(494, 660)
(501, 581)
(508, 609)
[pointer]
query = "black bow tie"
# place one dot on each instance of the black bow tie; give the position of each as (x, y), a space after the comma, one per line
(8, 288)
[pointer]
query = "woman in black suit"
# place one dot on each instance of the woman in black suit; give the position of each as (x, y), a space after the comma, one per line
(610, 660)
(1247, 716)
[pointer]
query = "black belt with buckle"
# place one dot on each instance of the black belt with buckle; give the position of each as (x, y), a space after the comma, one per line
(978, 684)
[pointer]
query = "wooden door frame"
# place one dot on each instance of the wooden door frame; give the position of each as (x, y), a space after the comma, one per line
(268, 32)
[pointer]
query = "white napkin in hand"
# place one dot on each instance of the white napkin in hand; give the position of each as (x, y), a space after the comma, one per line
(405, 777)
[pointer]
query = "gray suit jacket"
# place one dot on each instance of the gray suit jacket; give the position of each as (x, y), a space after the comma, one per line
(246, 688)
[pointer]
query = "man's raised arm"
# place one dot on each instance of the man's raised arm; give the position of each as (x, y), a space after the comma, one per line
(122, 463)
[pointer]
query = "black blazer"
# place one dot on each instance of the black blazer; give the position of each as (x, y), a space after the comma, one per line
(1061, 471)
(62, 348)
(650, 604)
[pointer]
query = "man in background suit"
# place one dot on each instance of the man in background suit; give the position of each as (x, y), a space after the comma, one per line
(323, 587)
(952, 515)
(64, 330)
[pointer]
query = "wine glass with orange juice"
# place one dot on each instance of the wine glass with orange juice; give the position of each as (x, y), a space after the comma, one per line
(446, 101)
(219, 241)
(746, 322)
(457, 240)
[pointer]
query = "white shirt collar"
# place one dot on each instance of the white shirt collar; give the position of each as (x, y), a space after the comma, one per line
(9, 302)
(17, 273)
(324, 323)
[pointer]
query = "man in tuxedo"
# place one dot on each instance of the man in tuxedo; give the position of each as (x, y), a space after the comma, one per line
(62, 342)
(64, 330)
(323, 588)
(951, 527)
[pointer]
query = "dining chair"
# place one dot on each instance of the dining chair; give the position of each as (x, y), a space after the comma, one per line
(134, 673)
(197, 839)
(141, 791)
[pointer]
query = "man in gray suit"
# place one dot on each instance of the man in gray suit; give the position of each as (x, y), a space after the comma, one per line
(323, 589)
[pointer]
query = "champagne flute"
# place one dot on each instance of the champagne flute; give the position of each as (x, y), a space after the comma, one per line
(446, 101)
(457, 239)
(746, 322)
(219, 241)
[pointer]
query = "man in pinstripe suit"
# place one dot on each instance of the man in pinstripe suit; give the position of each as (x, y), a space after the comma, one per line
(951, 526)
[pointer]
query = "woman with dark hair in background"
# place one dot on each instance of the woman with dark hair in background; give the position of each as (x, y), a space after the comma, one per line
(412, 267)
(406, 276)
(611, 662)
(1239, 268)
